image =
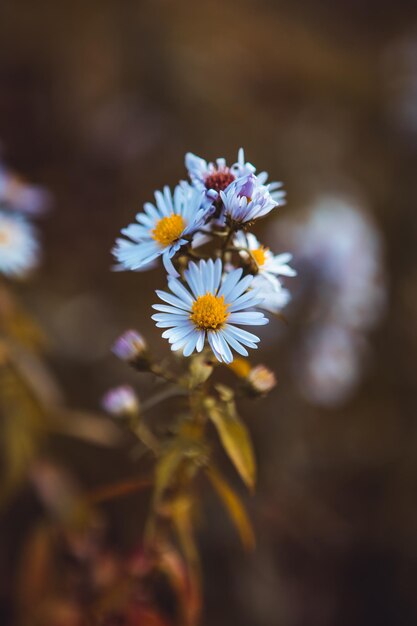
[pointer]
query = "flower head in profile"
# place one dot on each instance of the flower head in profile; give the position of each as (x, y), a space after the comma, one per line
(267, 264)
(211, 309)
(245, 200)
(261, 379)
(130, 347)
(19, 248)
(121, 401)
(161, 229)
(209, 177)
(243, 168)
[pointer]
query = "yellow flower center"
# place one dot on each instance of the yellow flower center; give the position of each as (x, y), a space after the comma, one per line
(168, 229)
(209, 312)
(259, 255)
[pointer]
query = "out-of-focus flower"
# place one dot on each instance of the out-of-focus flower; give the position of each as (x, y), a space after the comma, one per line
(161, 229)
(261, 379)
(130, 346)
(17, 195)
(343, 247)
(340, 249)
(121, 401)
(273, 299)
(19, 248)
(213, 311)
(329, 364)
(245, 200)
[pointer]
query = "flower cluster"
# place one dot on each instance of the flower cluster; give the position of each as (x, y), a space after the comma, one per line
(211, 294)
(19, 246)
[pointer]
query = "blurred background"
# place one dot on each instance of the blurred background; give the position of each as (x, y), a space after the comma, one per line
(99, 101)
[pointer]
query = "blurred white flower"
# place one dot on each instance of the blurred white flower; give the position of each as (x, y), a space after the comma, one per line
(340, 251)
(121, 401)
(19, 248)
(329, 365)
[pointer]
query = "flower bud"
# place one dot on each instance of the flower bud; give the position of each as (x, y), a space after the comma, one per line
(121, 401)
(131, 347)
(261, 379)
(240, 366)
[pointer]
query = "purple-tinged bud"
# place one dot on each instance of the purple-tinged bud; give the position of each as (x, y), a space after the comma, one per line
(121, 401)
(131, 347)
(261, 379)
(246, 190)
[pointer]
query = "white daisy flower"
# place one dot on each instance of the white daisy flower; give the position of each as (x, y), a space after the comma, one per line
(267, 264)
(210, 309)
(161, 229)
(209, 177)
(243, 168)
(19, 248)
(246, 200)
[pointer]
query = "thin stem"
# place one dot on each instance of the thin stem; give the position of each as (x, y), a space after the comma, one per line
(157, 370)
(168, 392)
(146, 436)
(226, 243)
(117, 490)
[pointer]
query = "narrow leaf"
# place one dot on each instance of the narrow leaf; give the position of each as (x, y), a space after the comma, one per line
(166, 470)
(235, 439)
(234, 507)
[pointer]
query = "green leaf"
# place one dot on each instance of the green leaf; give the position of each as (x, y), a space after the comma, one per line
(234, 507)
(235, 438)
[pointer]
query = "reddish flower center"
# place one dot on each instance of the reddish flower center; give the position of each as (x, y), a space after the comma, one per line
(219, 180)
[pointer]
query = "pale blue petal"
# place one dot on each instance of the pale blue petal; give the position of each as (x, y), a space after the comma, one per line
(225, 350)
(230, 282)
(234, 343)
(248, 318)
(200, 341)
(179, 290)
(175, 301)
(239, 289)
(169, 265)
(190, 345)
(245, 337)
(213, 347)
(166, 308)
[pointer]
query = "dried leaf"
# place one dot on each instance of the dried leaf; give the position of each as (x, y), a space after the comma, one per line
(234, 507)
(235, 438)
(166, 469)
(172, 564)
(182, 518)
